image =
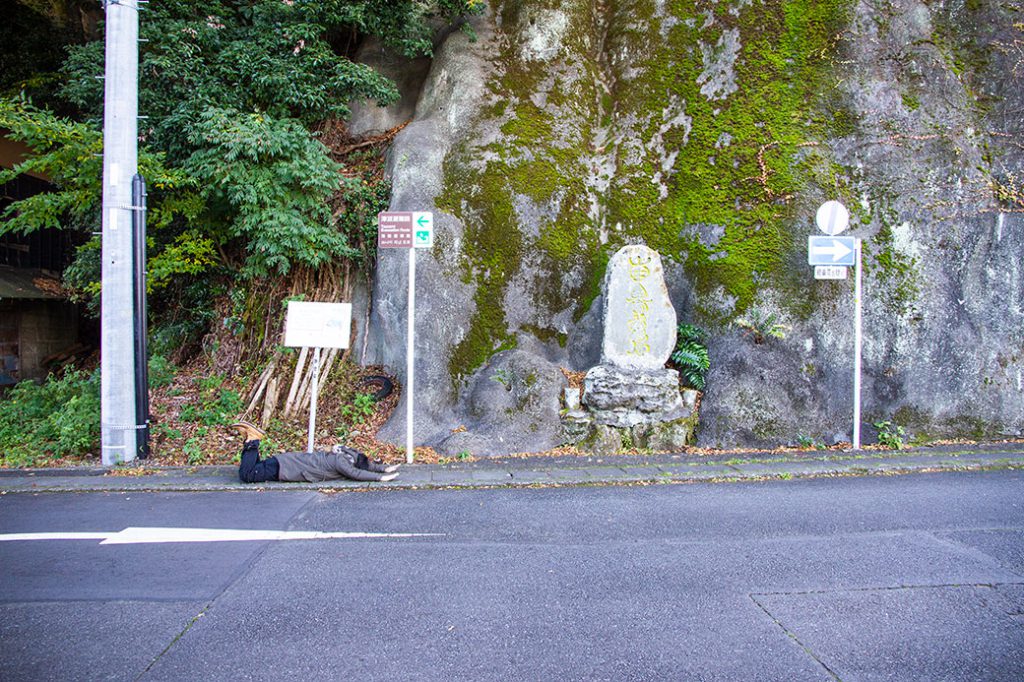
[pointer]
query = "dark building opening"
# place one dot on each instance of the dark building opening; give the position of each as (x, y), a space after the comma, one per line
(39, 327)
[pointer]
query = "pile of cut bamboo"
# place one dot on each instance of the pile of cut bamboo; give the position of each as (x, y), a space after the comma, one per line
(327, 284)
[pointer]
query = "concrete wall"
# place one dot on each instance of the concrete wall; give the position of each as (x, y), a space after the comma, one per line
(43, 328)
(9, 322)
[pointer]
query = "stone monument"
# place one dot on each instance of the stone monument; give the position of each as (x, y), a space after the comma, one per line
(631, 398)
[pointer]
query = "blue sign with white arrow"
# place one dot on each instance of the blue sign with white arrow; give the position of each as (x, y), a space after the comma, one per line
(831, 250)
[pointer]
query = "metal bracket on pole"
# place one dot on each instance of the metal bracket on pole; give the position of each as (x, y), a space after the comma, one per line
(139, 316)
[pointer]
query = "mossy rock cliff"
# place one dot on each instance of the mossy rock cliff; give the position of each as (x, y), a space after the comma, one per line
(711, 131)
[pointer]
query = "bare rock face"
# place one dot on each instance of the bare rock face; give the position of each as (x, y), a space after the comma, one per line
(513, 408)
(445, 104)
(711, 134)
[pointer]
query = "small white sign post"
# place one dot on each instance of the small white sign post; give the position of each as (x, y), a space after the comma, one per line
(407, 230)
(317, 326)
(858, 342)
(830, 256)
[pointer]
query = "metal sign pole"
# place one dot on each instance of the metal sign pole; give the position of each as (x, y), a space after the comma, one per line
(409, 364)
(857, 344)
(312, 398)
(407, 230)
(831, 255)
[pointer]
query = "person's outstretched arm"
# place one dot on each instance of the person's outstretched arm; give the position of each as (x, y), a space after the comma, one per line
(361, 461)
(349, 470)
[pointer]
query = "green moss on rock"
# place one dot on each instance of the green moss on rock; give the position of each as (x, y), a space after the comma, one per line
(738, 166)
(497, 248)
(623, 137)
(896, 271)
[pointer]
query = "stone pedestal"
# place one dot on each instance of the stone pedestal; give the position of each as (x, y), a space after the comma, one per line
(581, 430)
(627, 397)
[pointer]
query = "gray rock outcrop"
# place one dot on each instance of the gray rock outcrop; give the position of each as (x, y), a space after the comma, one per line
(513, 407)
(712, 134)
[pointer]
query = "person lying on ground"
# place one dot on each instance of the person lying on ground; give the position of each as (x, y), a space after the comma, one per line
(313, 467)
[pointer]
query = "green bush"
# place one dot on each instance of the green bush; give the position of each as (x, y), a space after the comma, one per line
(761, 325)
(354, 414)
(809, 442)
(691, 356)
(359, 410)
(892, 436)
(161, 371)
(58, 418)
(235, 95)
(215, 406)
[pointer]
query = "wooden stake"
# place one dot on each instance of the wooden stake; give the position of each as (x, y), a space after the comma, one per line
(289, 404)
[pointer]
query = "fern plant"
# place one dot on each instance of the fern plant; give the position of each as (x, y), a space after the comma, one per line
(691, 356)
(761, 325)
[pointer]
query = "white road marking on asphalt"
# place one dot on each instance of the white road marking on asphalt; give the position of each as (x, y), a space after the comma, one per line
(10, 537)
(157, 535)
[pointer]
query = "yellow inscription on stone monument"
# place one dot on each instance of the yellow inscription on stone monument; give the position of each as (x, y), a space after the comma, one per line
(640, 303)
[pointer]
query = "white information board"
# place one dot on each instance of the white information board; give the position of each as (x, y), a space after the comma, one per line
(318, 325)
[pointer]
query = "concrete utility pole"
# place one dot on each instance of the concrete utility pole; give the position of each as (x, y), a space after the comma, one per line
(120, 163)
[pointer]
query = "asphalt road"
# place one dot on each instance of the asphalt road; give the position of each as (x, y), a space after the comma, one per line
(917, 577)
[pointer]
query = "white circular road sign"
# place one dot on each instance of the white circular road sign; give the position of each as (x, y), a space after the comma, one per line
(832, 218)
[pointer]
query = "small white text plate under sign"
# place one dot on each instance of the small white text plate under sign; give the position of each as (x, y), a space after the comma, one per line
(829, 272)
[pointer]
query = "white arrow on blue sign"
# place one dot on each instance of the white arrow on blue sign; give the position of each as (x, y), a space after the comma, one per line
(830, 250)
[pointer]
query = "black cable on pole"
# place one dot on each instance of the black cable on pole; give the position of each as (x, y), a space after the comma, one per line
(139, 316)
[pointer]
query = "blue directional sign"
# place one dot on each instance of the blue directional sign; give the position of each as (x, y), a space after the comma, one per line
(831, 250)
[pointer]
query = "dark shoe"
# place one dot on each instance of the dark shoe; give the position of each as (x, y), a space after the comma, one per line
(249, 431)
